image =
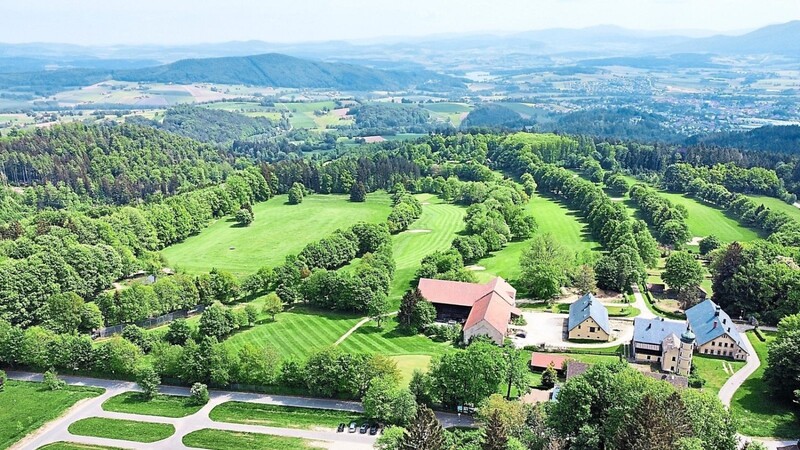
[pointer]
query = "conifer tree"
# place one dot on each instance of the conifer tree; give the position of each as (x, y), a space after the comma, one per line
(496, 435)
(424, 433)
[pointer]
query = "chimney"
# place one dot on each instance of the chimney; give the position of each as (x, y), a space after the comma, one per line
(724, 321)
(716, 311)
(715, 325)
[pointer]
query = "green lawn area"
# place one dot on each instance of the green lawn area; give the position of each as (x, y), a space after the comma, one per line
(390, 341)
(551, 217)
(282, 416)
(436, 229)
(161, 405)
(756, 410)
(24, 407)
(563, 308)
(279, 229)
(715, 371)
(297, 332)
(74, 446)
(705, 219)
(128, 430)
(231, 440)
(407, 363)
(777, 205)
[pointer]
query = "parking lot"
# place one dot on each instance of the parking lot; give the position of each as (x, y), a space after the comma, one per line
(551, 329)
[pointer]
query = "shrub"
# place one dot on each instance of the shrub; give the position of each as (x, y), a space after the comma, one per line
(52, 382)
(3, 379)
(148, 380)
(198, 394)
(244, 217)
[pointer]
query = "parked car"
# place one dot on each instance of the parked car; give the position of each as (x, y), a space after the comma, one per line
(364, 427)
(522, 334)
(341, 427)
(352, 428)
(373, 430)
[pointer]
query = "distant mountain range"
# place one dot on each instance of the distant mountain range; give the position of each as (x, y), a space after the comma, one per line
(260, 70)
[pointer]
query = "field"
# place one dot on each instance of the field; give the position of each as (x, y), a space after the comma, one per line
(296, 333)
(279, 229)
(25, 407)
(757, 411)
(231, 440)
(128, 430)
(282, 416)
(161, 405)
(453, 113)
(551, 217)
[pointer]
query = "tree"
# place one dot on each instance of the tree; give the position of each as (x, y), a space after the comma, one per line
(178, 332)
(391, 439)
(516, 370)
(545, 266)
(682, 270)
(424, 432)
(258, 365)
(585, 281)
(420, 387)
(387, 402)
(688, 297)
(198, 394)
(377, 309)
(296, 194)
(549, 376)
(216, 321)
(244, 217)
(3, 379)
(468, 376)
(148, 380)
(224, 286)
(272, 305)
(513, 414)
(358, 193)
(63, 312)
(496, 434)
(783, 367)
(138, 336)
(91, 317)
(709, 244)
(252, 314)
(657, 423)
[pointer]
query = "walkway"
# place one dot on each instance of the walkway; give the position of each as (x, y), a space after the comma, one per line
(736, 380)
(641, 304)
(57, 430)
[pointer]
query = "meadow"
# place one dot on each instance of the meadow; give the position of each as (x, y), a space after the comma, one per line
(279, 229)
(24, 407)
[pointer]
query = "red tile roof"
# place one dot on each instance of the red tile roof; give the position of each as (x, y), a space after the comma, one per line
(542, 360)
(492, 302)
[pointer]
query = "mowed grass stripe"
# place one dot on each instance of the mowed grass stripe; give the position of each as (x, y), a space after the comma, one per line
(279, 229)
(390, 341)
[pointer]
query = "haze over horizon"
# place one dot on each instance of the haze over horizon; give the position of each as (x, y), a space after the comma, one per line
(97, 22)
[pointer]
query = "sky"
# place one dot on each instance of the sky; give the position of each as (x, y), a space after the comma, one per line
(106, 22)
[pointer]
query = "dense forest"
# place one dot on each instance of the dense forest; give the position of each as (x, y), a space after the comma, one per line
(493, 116)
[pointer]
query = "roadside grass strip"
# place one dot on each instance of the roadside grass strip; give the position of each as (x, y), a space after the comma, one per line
(126, 430)
(232, 440)
(283, 416)
(161, 405)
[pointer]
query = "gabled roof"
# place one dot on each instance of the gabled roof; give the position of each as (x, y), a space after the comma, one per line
(541, 360)
(709, 321)
(585, 307)
(654, 331)
(492, 302)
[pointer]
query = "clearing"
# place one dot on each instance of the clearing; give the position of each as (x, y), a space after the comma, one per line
(279, 229)
(757, 411)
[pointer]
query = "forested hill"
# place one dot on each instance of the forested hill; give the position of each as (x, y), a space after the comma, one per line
(779, 139)
(260, 70)
(211, 125)
(115, 164)
(274, 69)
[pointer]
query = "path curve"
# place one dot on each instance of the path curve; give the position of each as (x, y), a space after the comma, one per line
(360, 324)
(738, 378)
(641, 304)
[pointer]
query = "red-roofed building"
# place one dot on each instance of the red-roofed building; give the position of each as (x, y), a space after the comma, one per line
(540, 361)
(483, 309)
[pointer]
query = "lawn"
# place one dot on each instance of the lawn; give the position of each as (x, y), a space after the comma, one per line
(161, 405)
(297, 332)
(24, 407)
(777, 205)
(279, 229)
(551, 217)
(715, 371)
(435, 230)
(128, 430)
(406, 364)
(231, 440)
(705, 219)
(758, 413)
(390, 341)
(283, 416)
(74, 446)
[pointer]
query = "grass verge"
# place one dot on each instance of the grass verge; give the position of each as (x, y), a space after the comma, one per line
(282, 416)
(231, 440)
(127, 430)
(74, 446)
(161, 405)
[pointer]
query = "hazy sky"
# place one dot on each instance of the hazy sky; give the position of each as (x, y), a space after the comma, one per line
(190, 21)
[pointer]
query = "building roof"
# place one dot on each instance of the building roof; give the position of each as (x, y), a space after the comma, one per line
(575, 368)
(541, 360)
(585, 307)
(708, 322)
(493, 302)
(654, 331)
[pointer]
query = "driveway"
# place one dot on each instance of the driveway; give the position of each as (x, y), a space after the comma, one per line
(57, 430)
(544, 328)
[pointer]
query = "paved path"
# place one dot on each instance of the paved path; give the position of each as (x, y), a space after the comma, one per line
(641, 304)
(57, 430)
(736, 380)
(352, 330)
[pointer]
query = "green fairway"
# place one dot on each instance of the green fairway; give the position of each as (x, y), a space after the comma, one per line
(74, 446)
(161, 405)
(433, 231)
(296, 333)
(777, 205)
(279, 229)
(282, 416)
(232, 440)
(551, 217)
(705, 219)
(128, 430)
(757, 411)
(390, 341)
(24, 407)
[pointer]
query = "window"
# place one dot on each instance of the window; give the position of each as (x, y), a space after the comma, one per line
(712, 343)
(591, 329)
(673, 358)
